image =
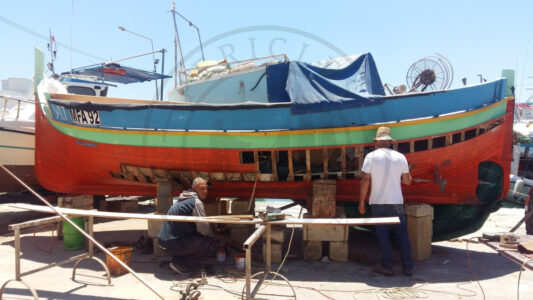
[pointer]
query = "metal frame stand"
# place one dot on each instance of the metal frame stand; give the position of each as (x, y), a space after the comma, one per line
(78, 258)
(248, 292)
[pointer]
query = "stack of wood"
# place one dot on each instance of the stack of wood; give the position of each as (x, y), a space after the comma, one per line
(323, 205)
(80, 201)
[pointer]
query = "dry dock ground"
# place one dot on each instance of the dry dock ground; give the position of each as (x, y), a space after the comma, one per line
(452, 272)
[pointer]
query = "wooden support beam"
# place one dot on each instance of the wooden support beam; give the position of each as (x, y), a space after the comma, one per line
(449, 139)
(273, 160)
(412, 146)
(462, 136)
(291, 167)
(430, 143)
(360, 153)
(256, 160)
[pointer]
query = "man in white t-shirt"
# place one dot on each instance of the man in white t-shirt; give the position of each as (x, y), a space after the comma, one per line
(384, 170)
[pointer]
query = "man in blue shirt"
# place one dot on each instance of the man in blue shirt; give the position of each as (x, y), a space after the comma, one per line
(187, 242)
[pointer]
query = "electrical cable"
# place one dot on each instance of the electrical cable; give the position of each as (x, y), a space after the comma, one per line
(519, 275)
(52, 240)
(470, 265)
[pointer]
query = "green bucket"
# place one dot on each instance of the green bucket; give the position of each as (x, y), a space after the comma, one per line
(73, 239)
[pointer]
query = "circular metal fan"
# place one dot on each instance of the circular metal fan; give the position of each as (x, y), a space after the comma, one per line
(430, 73)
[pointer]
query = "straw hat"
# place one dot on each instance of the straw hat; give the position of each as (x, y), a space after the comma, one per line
(383, 134)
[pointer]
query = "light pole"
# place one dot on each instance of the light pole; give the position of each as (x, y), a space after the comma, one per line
(153, 56)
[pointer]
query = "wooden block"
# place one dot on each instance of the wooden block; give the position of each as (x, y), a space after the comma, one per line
(81, 201)
(418, 210)
(275, 253)
(164, 197)
(338, 251)
(312, 250)
(324, 198)
(239, 207)
(276, 236)
(421, 248)
(332, 233)
(157, 251)
(421, 227)
(211, 208)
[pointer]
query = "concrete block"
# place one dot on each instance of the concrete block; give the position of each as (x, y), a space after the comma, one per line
(333, 233)
(154, 226)
(421, 248)
(420, 227)
(312, 250)
(80, 201)
(276, 236)
(338, 251)
(276, 253)
(240, 233)
(324, 199)
(239, 207)
(418, 210)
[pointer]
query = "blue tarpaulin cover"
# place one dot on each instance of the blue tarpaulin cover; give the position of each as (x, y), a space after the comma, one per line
(311, 88)
(117, 73)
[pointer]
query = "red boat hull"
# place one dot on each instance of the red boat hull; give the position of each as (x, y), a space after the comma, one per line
(68, 165)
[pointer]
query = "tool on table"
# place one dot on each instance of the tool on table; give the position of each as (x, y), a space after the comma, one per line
(271, 214)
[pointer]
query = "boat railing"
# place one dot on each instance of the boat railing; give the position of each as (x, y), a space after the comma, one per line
(237, 65)
(4, 106)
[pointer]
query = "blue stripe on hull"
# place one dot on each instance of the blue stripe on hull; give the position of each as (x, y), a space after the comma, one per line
(259, 117)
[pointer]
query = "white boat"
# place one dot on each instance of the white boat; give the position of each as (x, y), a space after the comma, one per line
(17, 125)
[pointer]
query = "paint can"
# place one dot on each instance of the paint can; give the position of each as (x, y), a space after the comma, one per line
(221, 255)
(239, 261)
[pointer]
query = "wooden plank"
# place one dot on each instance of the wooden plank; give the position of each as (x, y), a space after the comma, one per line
(412, 146)
(449, 139)
(430, 143)
(360, 153)
(291, 167)
(117, 215)
(273, 161)
(256, 159)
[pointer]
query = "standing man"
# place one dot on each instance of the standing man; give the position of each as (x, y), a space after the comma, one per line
(384, 170)
(187, 242)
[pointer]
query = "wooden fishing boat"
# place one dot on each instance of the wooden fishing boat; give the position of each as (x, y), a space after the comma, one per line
(113, 146)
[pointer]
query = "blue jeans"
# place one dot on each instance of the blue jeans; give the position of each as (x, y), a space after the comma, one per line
(189, 249)
(400, 230)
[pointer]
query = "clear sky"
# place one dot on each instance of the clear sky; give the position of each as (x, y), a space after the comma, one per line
(477, 36)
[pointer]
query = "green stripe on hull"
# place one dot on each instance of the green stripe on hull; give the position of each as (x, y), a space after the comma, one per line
(285, 139)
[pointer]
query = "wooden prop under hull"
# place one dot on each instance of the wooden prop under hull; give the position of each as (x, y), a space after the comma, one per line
(69, 165)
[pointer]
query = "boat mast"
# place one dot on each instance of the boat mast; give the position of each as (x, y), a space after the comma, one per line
(177, 45)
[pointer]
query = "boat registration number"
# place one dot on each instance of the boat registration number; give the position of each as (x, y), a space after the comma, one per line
(86, 117)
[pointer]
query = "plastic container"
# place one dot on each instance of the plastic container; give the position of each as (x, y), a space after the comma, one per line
(124, 254)
(73, 239)
(221, 255)
(239, 261)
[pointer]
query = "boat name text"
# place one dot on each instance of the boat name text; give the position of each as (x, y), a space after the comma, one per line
(80, 116)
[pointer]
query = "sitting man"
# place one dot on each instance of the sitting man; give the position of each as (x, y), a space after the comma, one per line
(187, 242)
